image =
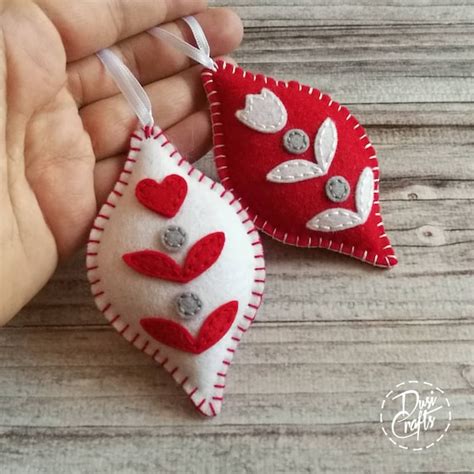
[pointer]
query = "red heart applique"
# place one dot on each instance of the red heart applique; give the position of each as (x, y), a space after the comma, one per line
(174, 335)
(202, 255)
(165, 198)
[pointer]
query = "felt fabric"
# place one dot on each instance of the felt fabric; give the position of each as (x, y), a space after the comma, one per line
(284, 194)
(263, 112)
(200, 257)
(175, 335)
(337, 219)
(221, 263)
(165, 198)
(173, 238)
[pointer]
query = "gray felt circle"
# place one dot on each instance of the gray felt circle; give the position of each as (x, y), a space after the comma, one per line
(188, 305)
(174, 237)
(337, 189)
(296, 141)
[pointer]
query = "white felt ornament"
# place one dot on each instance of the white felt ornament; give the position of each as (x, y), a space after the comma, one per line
(174, 261)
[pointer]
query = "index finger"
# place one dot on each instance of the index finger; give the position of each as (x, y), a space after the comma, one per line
(89, 26)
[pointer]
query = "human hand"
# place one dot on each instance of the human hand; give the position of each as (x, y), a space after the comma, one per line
(65, 127)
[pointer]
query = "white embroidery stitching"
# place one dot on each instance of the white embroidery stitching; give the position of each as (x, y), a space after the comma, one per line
(334, 220)
(365, 193)
(326, 144)
(325, 149)
(387, 261)
(263, 112)
(293, 171)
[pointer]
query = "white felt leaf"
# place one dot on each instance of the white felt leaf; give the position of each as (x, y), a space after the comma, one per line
(365, 193)
(325, 144)
(333, 220)
(263, 112)
(293, 171)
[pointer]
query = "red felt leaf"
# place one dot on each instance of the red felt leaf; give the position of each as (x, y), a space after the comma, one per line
(154, 264)
(216, 325)
(165, 198)
(202, 255)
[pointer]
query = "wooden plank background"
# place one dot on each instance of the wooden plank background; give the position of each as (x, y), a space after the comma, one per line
(334, 335)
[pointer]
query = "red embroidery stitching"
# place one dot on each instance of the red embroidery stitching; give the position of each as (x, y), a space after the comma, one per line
(214, 328)
(115, 319)
(202, 255)
(165, 198)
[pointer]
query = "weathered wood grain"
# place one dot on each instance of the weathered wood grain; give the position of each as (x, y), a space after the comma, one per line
(356, 447)
(268, 13)
(285, 373)
(334, 335)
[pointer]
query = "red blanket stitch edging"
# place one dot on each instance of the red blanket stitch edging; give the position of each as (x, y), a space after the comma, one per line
(206, 406)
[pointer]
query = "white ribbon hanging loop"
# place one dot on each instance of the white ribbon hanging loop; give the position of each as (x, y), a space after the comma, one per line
(129, 86)
(201, 54)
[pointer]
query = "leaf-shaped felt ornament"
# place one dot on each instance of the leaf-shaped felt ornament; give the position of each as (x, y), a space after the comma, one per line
(176, 266)
(187, 311)
(300, 163)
